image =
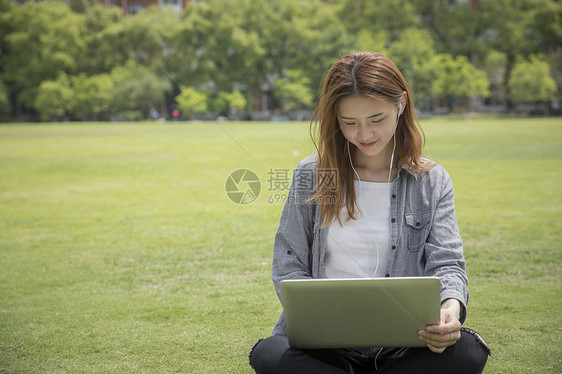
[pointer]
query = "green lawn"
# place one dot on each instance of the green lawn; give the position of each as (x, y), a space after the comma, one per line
(120, 251)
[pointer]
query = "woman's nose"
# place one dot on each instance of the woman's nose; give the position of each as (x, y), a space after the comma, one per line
(364, 130)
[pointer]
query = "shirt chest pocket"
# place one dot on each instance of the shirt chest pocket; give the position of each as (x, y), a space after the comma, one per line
(417, 229)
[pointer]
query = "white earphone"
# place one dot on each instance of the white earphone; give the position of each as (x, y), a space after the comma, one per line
(394, 140)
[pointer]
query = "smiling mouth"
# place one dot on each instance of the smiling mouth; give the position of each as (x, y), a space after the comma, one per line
(368, 145)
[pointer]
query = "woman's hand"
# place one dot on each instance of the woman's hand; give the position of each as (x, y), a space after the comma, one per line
(447, 332)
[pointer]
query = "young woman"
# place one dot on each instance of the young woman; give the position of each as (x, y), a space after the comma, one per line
(388, 212)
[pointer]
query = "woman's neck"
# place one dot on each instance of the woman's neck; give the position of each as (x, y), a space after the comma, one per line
(375, 168)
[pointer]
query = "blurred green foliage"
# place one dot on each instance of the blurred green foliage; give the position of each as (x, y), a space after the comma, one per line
(125, 65)
(54, 97)
(4, 101)
(191, 101)
(530, 80)
(457, 76)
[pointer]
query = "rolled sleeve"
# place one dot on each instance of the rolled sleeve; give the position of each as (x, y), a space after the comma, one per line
(293, 240)
(444, 249)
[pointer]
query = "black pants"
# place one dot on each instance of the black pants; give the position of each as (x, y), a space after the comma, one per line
(274, 356)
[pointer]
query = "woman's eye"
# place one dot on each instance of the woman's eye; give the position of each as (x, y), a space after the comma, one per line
(378, 121)
(349, 123)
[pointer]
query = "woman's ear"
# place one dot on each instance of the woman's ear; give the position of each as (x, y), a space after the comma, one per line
(403, 101)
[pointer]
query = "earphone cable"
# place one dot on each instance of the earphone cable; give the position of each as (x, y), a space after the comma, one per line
(388, 194)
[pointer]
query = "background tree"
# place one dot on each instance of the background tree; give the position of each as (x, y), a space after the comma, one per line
(293, 91)
(247, 45)
(214, 48)
(555, 62)
(53, 98)
(149, 34)
(6, 28)
(4, 102)
(369, 41)
(311, 36)
(105, 39)
(229, 103)
(456, 28)
(190, 101)
(78, 6)
(45, 41)
(512, 28)
(456, 77)
(416, 67)
(137, 89)
(236, 101)
(265, 48)
(392, 16)
(546, 24)
(531, 81)
(495, 65)
(91, 96)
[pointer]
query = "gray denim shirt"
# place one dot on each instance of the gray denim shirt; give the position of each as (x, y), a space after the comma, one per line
(424, 238)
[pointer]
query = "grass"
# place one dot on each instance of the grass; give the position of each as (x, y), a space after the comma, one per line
(120, 252)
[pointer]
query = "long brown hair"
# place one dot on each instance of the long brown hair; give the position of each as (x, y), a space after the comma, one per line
(359, 73)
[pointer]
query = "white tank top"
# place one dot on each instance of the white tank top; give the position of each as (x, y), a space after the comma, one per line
(359, 248)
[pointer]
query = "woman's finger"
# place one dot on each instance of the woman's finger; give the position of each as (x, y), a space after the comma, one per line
(442, 340)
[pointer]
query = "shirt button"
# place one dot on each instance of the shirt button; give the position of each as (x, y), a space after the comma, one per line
(393, 247)
(387, 275)
(393, 220)
(394, 196)
(418, 224)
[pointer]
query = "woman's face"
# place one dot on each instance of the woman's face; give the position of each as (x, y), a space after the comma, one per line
(368, 123)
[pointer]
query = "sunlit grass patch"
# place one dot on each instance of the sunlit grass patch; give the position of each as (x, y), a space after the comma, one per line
(121, 252)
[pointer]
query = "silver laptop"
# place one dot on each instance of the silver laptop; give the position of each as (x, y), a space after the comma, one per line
(353, 313)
